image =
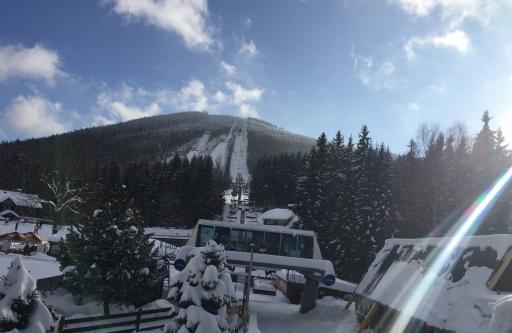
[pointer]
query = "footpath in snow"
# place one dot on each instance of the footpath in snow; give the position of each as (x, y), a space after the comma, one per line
(274, 314)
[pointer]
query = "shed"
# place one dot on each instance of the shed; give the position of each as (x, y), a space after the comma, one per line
(278, 216)
(22, 203)
(16, 241)
(460, 297)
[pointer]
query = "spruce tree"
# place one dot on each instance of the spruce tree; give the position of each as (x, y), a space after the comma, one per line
(203, 294)
(112, 258)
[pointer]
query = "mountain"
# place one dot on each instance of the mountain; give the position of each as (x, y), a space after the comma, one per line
(152, 138)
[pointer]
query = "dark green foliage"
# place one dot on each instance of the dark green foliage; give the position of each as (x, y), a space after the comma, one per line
(113, 258)
(354, 197)
(78, 154)
(274, 181)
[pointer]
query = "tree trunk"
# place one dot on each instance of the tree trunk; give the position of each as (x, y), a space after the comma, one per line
(106, 306)
(56, 222)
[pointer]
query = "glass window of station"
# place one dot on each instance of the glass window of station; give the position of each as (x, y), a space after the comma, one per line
(267, 242)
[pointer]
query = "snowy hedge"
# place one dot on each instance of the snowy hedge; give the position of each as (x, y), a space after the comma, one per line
(21, 309)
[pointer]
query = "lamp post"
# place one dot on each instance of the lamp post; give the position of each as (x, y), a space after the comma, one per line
(247, 290)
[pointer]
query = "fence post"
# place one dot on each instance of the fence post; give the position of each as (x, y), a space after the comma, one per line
(60, 326)
(137, 324)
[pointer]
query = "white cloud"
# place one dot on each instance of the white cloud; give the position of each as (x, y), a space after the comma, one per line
(248, 50)
(247, 22)
(453, 12)
(247, 110)
(437, 89)
(219, 96)
(34, 116)
(242, 95)
(187, 18)
(456, 40)
(122, 105)
(192, 97)
(243, 98)
(129, 102)
(376, 76)
(37, 62)
(229, 69)
(413, 107)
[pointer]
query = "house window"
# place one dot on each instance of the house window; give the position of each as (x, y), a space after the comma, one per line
(205, 234)
(237, 241)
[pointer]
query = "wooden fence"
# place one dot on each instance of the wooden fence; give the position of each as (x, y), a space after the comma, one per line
(118, 323)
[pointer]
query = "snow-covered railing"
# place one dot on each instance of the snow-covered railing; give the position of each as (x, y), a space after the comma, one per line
(117, 323)
(317, 267)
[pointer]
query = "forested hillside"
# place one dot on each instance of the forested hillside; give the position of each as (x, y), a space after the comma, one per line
(78, 154)
(355, 194)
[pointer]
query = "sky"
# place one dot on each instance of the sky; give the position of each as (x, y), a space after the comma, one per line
(307, 66)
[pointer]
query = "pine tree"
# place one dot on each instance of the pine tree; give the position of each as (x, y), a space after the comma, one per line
(112, 257)
(21, 307)
(202, 294)
(312, 191)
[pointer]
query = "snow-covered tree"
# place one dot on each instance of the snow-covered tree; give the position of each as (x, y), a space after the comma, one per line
(65, 197)
(21, 309)
(203, 294)
(113, 257)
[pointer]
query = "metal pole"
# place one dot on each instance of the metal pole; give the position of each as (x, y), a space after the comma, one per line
(248, 290)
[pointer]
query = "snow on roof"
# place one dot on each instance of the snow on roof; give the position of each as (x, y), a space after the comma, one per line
(262, 227)
(45, 231)
(458, 299)
(278, 214)
(21, 199)
(168, 232)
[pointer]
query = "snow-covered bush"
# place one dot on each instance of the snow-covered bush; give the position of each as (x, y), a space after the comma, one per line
(21, 309)
(203, 294)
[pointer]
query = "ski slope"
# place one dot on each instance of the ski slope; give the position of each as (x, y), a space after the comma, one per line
(239, 156)
(200, 148)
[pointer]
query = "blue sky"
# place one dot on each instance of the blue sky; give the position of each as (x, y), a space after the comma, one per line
(308, 66)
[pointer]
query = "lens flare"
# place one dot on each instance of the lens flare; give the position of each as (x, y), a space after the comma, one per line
(465, 226)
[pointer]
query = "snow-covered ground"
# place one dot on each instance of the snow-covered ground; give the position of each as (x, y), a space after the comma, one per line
(39, 266)
(68, 305)
(275, 315)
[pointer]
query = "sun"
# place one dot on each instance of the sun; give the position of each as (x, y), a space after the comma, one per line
(506, 126)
